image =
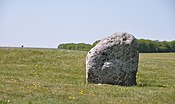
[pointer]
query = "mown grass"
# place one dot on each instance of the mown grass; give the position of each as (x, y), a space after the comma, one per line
(51, 76)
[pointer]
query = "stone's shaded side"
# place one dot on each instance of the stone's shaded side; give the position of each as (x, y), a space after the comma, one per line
(114, 60)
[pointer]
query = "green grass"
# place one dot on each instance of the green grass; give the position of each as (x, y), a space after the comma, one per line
(51, 76)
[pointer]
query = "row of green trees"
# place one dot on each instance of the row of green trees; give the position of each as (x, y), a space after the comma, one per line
(145, 46)
(149, 46)
(74, 46)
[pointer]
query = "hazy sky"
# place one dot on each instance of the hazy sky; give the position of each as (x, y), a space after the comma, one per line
(47, 23)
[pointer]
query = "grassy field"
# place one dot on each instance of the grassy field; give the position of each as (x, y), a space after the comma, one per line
(51, 76)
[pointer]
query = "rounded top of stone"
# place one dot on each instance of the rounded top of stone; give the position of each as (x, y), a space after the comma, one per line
(118, 38)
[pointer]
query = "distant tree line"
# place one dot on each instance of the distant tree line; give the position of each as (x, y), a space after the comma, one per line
(75, 46)
(144, 46)
(149, 46)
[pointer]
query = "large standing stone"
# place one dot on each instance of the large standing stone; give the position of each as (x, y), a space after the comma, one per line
(114, 60)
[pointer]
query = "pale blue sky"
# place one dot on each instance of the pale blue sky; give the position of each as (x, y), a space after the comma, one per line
(47, 23)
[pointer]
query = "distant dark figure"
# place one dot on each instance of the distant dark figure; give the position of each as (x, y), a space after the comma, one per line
(22, 46)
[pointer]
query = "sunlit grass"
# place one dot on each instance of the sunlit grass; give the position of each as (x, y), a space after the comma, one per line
(51, 76)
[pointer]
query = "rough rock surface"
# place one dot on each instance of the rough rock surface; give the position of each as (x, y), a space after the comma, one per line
(114, 60)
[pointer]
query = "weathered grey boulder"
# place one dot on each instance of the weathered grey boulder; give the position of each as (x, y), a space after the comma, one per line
(114, 60)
